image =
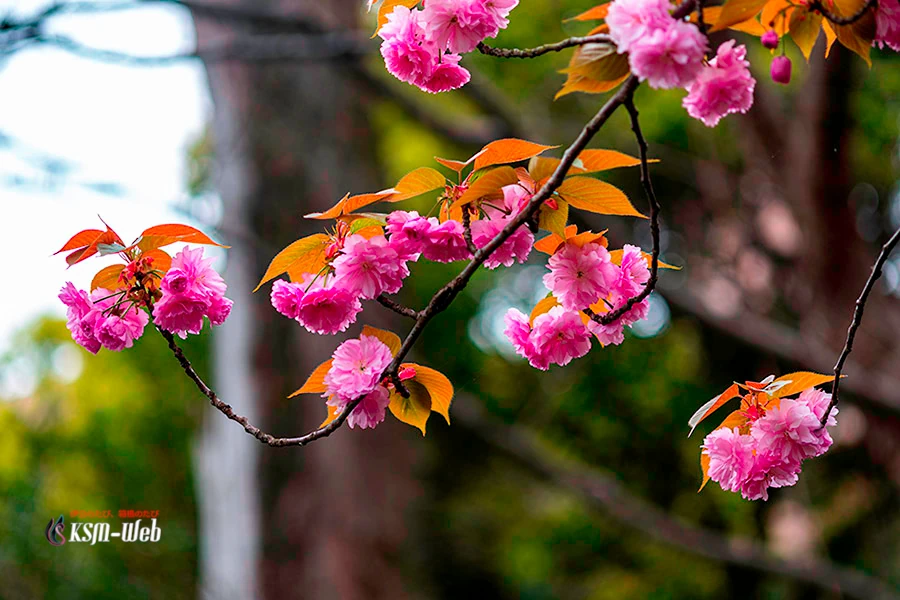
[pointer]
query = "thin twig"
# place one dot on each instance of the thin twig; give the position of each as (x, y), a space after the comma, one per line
(397, 307)
(601, 38)
(816, 5)
(613, 315)
(857, 319)
(467, 230)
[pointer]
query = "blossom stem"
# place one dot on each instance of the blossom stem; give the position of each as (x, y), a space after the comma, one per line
(857, 320)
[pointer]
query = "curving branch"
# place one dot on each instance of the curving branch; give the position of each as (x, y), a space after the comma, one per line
(397, 307)
(857, 319)
(443, 297)
(816, 5)
(571, 42)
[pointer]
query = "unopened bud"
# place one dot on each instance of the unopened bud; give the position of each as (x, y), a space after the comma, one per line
(770, 39)
(781, 70)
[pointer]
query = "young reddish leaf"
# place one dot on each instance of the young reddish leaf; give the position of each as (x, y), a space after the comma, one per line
(711, 15)
(454, 165)
(704, 466)
(543, 306)
(593, 195)
(107, 237)
(616, 257)
(387, 7)
(554, 219)
(776, 14)
(591, 86)
(588, 237)
(108, 278)
(799, 381)
(489, 183)
(420, 181)
(549, 244)
(414, 410)
(597, 13)
(593, 161)
(804, 27)
(713, 405)
(858, 36)
(332, 415)
(541, 167)
(390, 339)
(738, 11)
(830, 37)
(315, 383)
(162, 262)
(302, 253)
(439, 388)
(594, 68)
(163, 235)
(82, 239)
(349, 203)
(506, 151)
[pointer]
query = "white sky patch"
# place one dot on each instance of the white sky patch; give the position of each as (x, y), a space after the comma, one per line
(122, 125)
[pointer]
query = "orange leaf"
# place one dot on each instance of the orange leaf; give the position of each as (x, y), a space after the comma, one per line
(588, 237)
(415, 183)
(738, 11)
(597, 13)
(300, 254)
(858, 36)
(315, 383)
(776, 15)
(616, 257)
(489, 183)
(349, 203)
(454, 165)
(414, 410)
(543, 306)
(713, 405)
(704, 466)
(162, 262)
(712, 14)
(506, 151)
(593, 195)
(804, 27)
(439, 388)
(163, 235)
(107, 237)
(81, 239)
(391, 340)
(830, 37)
(593, 161)
(387, 7)
(550, 243)
(332, 415)
(588, 86)
(108, 278)
(554, 219)
(801, 380)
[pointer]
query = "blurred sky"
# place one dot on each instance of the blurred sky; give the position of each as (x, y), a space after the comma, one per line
(125, 128)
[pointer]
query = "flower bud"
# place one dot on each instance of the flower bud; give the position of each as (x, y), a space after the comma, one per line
(781, 70)
(770, 39)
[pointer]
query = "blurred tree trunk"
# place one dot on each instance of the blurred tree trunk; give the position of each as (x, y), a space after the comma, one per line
(321, 521)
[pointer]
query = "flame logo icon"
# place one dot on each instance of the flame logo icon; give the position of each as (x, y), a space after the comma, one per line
(55, 531)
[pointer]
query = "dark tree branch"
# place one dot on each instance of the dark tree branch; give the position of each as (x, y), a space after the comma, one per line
(602, 491)
(397, 307)
(467, 230)
(857, 319)
(816, 5)
(546, 48)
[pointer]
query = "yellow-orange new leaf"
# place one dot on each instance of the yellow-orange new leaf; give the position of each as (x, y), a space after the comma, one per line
(439, 388)
(510, 150)
(414, 410)
(299, 255)
(593, 195)
(315, 383)
(390, 339)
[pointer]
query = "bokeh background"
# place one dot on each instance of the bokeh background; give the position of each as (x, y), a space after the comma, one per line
(239, 117)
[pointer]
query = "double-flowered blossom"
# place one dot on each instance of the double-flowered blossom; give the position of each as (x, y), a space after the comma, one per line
(320, 308)
(191, 290)
(580, 276)
(723, 87)
(356, 369)
(423, 46)
(556, 337)
(770, 451)
(369, 267)
(517, 247)
(411, 234)
(101, 319)
(887, 24)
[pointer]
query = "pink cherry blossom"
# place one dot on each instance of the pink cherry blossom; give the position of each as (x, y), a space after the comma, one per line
(408, 232)
(887, 24)
(408, 56)
(328, 310)
(767, 472)
(219, 309)
(632, 20)
(370, 411)
(631, 275)
(668, 58)
(580, 276)
(369, 267)
(458, 24)
(558, 336)
(181, 313)
(781, 70)
(192, 273)
(191, 289)
(447, 75)
(515, 200)
(518, 332)
(730, 457)
(818, 402)
(356, 368)
(78, 307)
(723, 87)
(286, 297)
(446, 243)
(788, 432)
(499, 10)
(516, 248)
(116, 327)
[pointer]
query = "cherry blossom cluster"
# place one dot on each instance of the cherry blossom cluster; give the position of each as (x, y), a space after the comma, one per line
(887, 24)
(581, 277)
(424, 46)
(113, 319)
(669, 53)
(769, 451)
(363, 268)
